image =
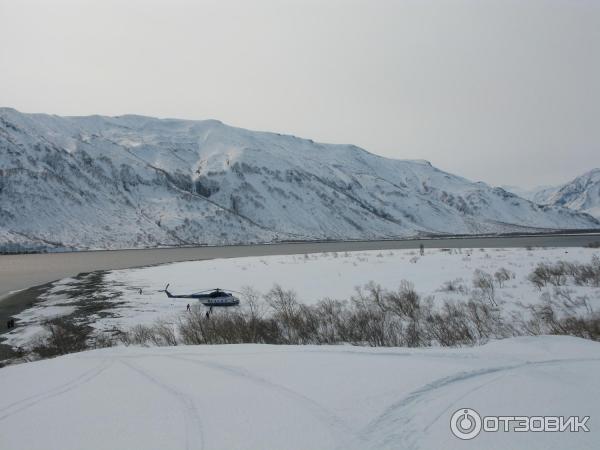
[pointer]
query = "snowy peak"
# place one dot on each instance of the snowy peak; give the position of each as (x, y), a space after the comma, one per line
(134, 181)
(581, 194)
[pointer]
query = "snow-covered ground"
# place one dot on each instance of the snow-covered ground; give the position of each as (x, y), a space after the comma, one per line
(312, 276)
(299, 397)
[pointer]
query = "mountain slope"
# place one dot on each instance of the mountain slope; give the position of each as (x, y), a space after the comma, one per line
(581, 194)
(536, 195)
(131, 181)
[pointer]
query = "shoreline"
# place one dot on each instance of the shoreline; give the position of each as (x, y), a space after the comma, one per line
(17, 302)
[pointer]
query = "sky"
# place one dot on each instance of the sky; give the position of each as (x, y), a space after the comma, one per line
(506, 92)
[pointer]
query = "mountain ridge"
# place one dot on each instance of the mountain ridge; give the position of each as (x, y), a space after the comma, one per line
(137, 181)
(581, 194)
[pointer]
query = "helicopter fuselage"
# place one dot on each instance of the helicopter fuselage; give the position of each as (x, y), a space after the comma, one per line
(215, 298)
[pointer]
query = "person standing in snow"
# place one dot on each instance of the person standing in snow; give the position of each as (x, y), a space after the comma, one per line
(188, 307)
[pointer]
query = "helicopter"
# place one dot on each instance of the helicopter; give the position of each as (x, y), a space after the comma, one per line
(210, 297)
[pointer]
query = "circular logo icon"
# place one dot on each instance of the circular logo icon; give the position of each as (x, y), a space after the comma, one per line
(465, 423)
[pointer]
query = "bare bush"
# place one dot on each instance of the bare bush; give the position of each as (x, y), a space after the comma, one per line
(559, 273)
(485, 283)
(286, 312)
(62, 337)
(502, 275)
(332, 322)
(449, 326)
(137, 335)
(102, 340)
(588, 274)
(163, 334)
(555, 316)
(454, 286)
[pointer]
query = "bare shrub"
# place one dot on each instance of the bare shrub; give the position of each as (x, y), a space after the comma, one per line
(405, 302)
(368, 322)
(229, 327)
(62, 337)
(555, 317)
(449, 326)
(163, 334)
(485, 283)
(332, 318)
(454, 286)
(255, 309)
(102, 340)
(502, 275)
(286, 312)
(406, 305)
(588, 274)
(137, 335)
(559, 273)
(540, 275)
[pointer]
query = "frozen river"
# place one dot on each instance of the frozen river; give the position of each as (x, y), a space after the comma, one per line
(23, 271)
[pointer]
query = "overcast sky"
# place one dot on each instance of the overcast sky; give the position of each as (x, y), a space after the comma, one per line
(507, 92)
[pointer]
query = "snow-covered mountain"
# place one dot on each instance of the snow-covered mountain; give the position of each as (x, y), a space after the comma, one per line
(132, 181)
(581, 194)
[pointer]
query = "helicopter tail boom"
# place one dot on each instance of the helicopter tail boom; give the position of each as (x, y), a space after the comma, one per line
(177, 296)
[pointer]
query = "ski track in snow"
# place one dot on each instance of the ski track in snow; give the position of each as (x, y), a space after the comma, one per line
(193, 424)
(343, 431)
(28, 402)
(400, 415)
(256, 398)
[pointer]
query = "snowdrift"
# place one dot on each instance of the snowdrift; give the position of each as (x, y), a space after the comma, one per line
(268, 397)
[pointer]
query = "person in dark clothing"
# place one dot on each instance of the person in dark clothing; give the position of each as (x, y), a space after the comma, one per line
(188, 307)
(422, 249)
